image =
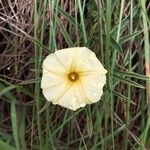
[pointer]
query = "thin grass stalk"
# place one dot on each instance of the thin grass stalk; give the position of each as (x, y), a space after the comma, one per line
(107, 61)
(51, 30)
(15, 125)
(54, 25)
(41, 41)
(52, 6)
(22, 129)
(100, 14)
(114, 60)
(50, 47)
(37, 74)
(76, 23)
(146, 28)
(79, 130)
(147, 67)
(129, 86)
(82, 22)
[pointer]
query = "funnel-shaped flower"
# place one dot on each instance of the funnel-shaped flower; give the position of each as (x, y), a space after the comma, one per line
(73, 77)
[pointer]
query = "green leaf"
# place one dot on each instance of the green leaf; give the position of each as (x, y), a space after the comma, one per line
(69, 17)
(129, 37)
(5, 146)
(15, 125)
(113, 44)
(6, 93)
(22, 127)
(31, 81)
(129, 82)
(40, 44)
(65, 34)
(124, 22)
(132, 74)
(123, 97)
(5, 90)
(91, 35)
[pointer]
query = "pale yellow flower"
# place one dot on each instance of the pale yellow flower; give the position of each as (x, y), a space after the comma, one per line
(73, 77)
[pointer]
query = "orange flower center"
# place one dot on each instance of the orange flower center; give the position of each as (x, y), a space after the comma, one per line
(73, 76)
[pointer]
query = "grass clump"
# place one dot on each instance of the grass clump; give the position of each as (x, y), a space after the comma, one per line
(117, 31)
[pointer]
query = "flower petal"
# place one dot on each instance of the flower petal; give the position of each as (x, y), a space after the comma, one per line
(66, 57)
(88, 62)
(52, 63)
(51, 79)
(72, 99)
(53, 93)
(93, 86)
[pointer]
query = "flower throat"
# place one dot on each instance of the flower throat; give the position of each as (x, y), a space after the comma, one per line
(73, 76)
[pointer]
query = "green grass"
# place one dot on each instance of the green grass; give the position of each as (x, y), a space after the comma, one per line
(118, 32)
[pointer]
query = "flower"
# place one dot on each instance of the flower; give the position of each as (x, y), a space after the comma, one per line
(73, 77)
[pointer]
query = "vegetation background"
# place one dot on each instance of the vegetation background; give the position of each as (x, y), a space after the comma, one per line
(117, 31)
